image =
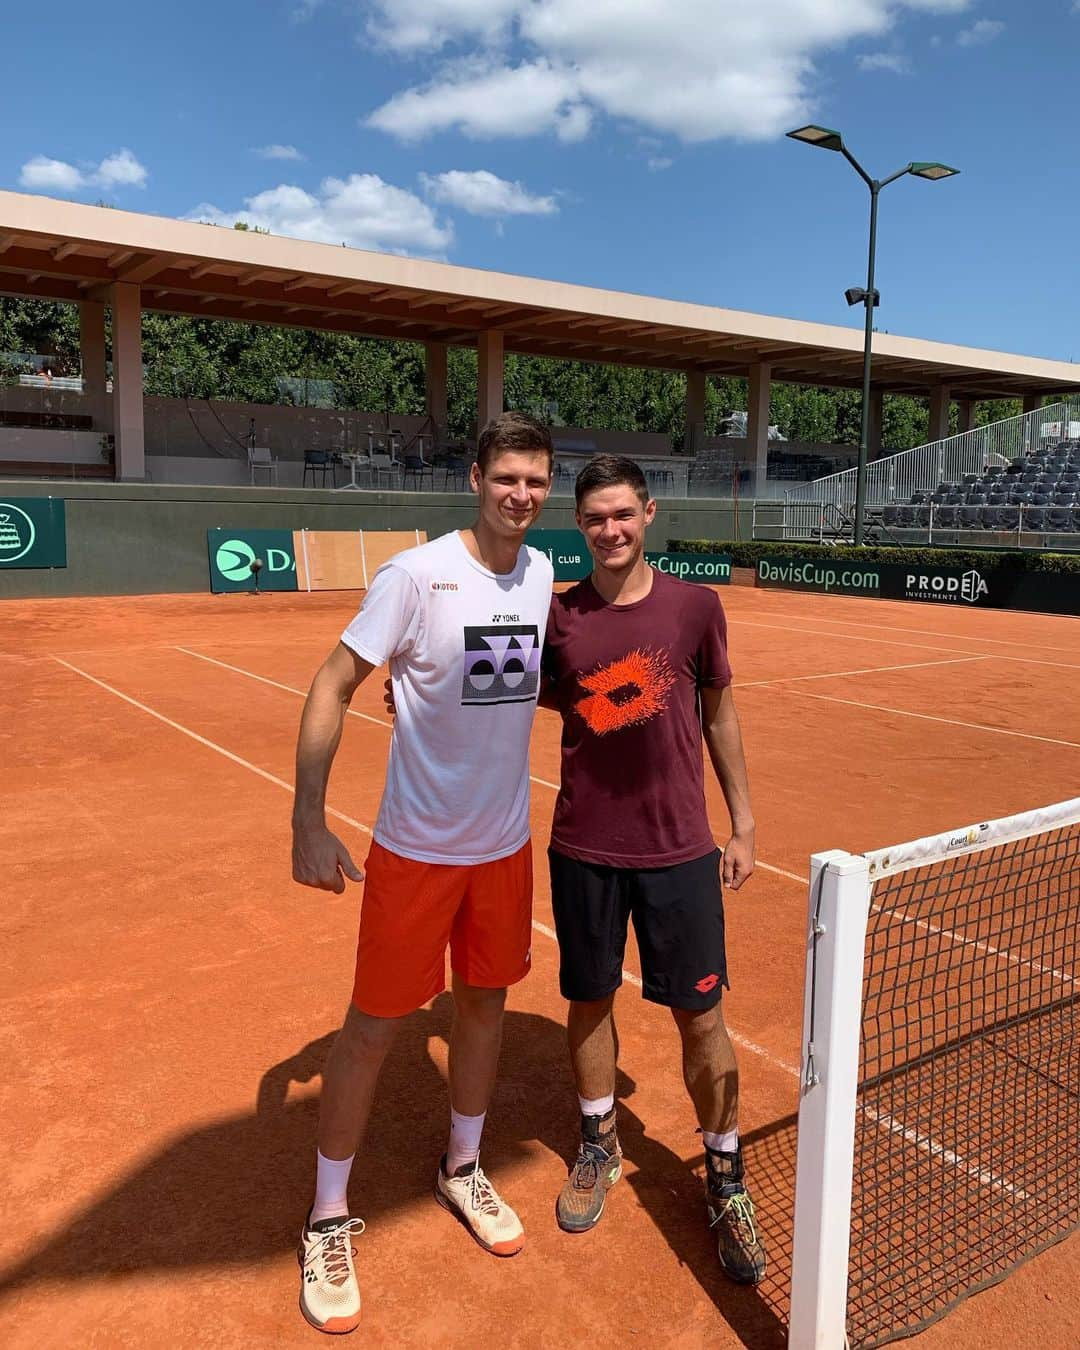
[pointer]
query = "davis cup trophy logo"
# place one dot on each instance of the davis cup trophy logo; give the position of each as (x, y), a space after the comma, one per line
(234, 559)
(17, 533)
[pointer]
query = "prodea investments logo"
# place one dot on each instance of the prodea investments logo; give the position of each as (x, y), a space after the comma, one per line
(17, 533)
(947, 588)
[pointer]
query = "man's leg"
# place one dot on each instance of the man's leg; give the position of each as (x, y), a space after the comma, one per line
(591, 913)
(711, 1074)
(349, 1079)
(712, 1080)
(460, 1184)
(329, 1292)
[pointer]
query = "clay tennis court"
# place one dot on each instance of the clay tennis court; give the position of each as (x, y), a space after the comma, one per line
(169, 994)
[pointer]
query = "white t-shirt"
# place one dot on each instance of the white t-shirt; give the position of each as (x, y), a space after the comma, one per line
(463, 646)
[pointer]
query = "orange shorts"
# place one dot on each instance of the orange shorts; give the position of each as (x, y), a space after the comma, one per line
(412, 910)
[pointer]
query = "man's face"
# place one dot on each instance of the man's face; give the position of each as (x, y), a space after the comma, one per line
(512, 490)
(613, 521)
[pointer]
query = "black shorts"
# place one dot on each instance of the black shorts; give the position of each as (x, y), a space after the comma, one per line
(678, 915)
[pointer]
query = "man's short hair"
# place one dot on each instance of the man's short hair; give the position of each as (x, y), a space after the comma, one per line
(514, 431)
(604, 471)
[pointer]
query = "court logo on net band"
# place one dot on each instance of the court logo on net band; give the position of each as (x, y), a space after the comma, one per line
(946, 587)
(501, 664)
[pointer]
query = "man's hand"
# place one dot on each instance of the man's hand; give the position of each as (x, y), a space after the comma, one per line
(388, 696)
(320, 859)
(738, 865)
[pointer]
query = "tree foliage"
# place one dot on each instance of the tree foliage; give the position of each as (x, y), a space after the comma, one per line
(237, 362)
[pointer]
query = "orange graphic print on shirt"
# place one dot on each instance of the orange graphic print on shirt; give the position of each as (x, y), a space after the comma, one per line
(626, 693)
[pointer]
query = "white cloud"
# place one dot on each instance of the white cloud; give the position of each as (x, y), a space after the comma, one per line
(698, 70)
(657, 163)
(42, 174)
(304, 10)
(277, 152)
(411, 26)
(120, 169)
(985, 30)
(883, 61)
(361, 210)
(482, 193)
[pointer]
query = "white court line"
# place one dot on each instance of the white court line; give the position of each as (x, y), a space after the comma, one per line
(379, 722)
(202, 740)
(900, 915)
(936, 1150)
(927, 1145)
(929, 717)
(290, 689)
(868, 670)
(892, 642)
(922, 632)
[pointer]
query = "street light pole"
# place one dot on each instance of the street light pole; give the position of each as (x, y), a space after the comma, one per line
(827, 139)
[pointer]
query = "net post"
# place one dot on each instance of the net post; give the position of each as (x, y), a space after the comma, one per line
(839, 906)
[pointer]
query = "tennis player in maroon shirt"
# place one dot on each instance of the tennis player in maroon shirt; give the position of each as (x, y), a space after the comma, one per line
(637, 666)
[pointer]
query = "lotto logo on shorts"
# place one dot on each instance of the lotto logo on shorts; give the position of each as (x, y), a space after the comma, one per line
(502, 664)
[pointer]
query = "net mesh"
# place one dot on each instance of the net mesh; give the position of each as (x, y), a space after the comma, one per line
(968, 1117)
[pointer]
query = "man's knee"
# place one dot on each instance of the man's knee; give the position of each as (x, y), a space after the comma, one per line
(364, 1038)
(700, 1024)
(482, 1007)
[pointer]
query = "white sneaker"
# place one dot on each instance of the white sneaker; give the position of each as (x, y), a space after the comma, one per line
(329, 1292)
(470, 1197)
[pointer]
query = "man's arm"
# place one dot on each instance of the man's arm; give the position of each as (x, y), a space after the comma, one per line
(720, 727)
(319, 858)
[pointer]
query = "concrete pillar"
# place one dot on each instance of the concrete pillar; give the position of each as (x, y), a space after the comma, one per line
(939, 412)
(695, 411)
(757, 422)
(873, 441)
(489, 378)
(965, 408)
(435, 381)
(128, 381)
(1031, 402)
(92, 353)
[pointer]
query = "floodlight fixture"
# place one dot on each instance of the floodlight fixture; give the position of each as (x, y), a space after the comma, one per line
(823, 137)
(933, 171)
(827, 139)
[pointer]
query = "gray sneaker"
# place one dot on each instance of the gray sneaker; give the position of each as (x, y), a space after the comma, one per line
(731, 1218)
(597, 1168)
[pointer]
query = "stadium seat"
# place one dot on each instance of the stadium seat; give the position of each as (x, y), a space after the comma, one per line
(1059, 518)
(975, 496)
(1008, 517)
(969, 479)
(922, 495)
(996, 498)
(970, 518)
(992, 471)
(1076, 518)
(889, 515)
(1069, 476)
(922, 516)
(945, 517)
(1066, 498)
(991, 517)
(905, 517)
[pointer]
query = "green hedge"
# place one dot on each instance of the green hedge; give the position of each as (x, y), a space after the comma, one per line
(1017, 560)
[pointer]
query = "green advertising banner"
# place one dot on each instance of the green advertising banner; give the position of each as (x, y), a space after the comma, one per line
(996, 588)
(827, 578)
(711, 569)
(567, 551)
(233, 551)
(33, 532)
(571, 561)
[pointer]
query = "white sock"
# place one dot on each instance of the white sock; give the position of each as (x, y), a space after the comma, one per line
(464, 1145)
(721, 1143)
(596, 1106)
(331, 1187)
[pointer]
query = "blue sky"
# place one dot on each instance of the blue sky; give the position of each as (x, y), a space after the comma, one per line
(630, 144)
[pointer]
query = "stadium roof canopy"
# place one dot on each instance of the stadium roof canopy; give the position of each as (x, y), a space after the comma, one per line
(62, 250)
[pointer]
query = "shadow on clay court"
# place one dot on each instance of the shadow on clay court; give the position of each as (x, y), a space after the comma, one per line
(235, 1191)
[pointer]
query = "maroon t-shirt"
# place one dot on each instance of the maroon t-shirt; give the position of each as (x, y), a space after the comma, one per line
(627, 679)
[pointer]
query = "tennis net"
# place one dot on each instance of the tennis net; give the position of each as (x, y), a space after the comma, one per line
(939, 1121)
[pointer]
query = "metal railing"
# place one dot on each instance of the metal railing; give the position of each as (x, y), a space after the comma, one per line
(895, 477)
